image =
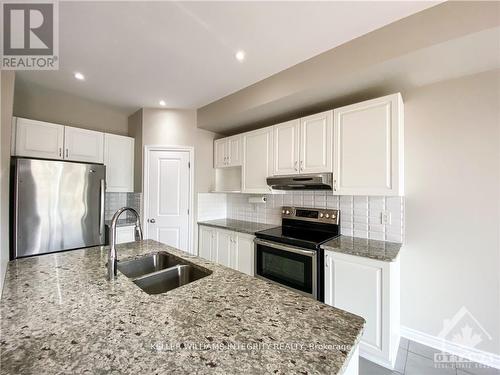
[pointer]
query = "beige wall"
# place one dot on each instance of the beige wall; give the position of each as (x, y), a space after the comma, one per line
(40, 103)
(135, 130)
(452, 175)
(399, 55)
(177, 127)
(7, 79)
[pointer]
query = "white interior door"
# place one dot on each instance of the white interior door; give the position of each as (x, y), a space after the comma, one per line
(168, 196)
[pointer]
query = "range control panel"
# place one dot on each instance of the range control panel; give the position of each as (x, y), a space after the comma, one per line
(311, 214)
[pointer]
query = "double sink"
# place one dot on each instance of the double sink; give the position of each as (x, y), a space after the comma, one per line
(160, 272)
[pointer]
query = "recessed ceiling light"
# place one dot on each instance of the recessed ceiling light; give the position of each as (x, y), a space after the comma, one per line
(79, 76)
(240, 55)
(162, 103)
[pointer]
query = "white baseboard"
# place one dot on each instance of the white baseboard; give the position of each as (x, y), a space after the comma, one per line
(472, 354)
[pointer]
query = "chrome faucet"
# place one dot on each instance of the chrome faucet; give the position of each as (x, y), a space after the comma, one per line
(112, 258)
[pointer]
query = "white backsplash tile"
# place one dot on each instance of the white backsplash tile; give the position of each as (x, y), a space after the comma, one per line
(360, 216)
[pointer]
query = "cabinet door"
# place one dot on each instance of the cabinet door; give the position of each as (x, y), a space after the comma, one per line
(83, 145)
(257, 160)
(234, 151)
(369, 147)
(286, 148)
(244, 257)
(220, 153)
(125, 234)
(39, 139)
(224, 244)
(206, 243)
(119, 162)
(316, 142)
(357, 285)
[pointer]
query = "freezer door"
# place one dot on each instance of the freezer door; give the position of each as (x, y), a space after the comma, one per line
(58, 206)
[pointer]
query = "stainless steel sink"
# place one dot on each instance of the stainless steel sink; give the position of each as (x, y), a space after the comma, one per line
(160, 272)
(171, 278)
(148, 264)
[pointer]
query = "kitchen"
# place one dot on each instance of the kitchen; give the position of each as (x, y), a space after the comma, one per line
(293, 216)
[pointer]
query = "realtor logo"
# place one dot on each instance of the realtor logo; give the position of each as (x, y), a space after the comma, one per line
(465, 333)
(30, 35)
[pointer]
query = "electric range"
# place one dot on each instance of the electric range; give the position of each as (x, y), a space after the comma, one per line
(290, 255)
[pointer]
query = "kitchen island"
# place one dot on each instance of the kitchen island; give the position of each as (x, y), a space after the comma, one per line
(61, 315)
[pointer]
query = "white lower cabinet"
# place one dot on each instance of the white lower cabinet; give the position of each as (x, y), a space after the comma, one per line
(243, 255)
(229, 248)
(368, 288)
(206, 242)
(224, 241)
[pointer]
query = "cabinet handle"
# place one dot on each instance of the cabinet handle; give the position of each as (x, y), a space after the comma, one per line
(66, 152)
(326, 261)
(60, 152)
(295, 165)
(334, 185)
(301, 165)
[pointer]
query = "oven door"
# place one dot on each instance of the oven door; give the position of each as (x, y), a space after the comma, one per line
(290, 266)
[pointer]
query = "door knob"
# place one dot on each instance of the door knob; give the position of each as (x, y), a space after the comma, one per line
(152, 221)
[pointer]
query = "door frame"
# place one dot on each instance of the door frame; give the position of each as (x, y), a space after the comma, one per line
(145, 187)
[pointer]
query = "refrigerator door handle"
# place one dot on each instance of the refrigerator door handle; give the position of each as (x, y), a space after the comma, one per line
(101, 207)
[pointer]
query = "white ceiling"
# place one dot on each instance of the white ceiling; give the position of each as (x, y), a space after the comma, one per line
(135, 53)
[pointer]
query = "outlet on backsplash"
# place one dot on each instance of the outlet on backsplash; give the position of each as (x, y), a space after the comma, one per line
(385, 218)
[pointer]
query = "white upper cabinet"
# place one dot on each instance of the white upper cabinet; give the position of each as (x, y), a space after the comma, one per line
(220, 153)
(257, 160)
(235, 151)
(83, 145)
(316, 152)
(286, 148)
(119, 162)
(369, 147)
(227, 152)
(38, 139)
(304, 145)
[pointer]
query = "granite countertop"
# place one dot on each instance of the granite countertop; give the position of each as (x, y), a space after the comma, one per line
(380, 250)
(61, 315)
(238, 225)
(125, 222)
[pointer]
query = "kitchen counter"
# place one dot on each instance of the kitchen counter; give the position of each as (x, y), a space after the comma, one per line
(379, 250)
(248, 227)
(61, 315)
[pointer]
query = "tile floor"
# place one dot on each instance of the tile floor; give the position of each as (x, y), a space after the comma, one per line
(417, 359)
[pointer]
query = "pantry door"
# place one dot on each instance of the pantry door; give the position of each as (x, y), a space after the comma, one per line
(168, 197)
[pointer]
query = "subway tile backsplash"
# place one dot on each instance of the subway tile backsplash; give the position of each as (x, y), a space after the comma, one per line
(361, 216)
(115, 201)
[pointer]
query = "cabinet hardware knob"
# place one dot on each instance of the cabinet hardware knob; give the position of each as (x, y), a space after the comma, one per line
(152, 221)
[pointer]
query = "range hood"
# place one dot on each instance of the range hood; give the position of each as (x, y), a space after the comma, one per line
(314, 181)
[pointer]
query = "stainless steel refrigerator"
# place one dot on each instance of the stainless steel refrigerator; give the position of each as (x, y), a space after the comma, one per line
(56, 205)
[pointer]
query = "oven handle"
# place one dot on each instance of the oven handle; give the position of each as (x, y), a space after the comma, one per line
(292, 249)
